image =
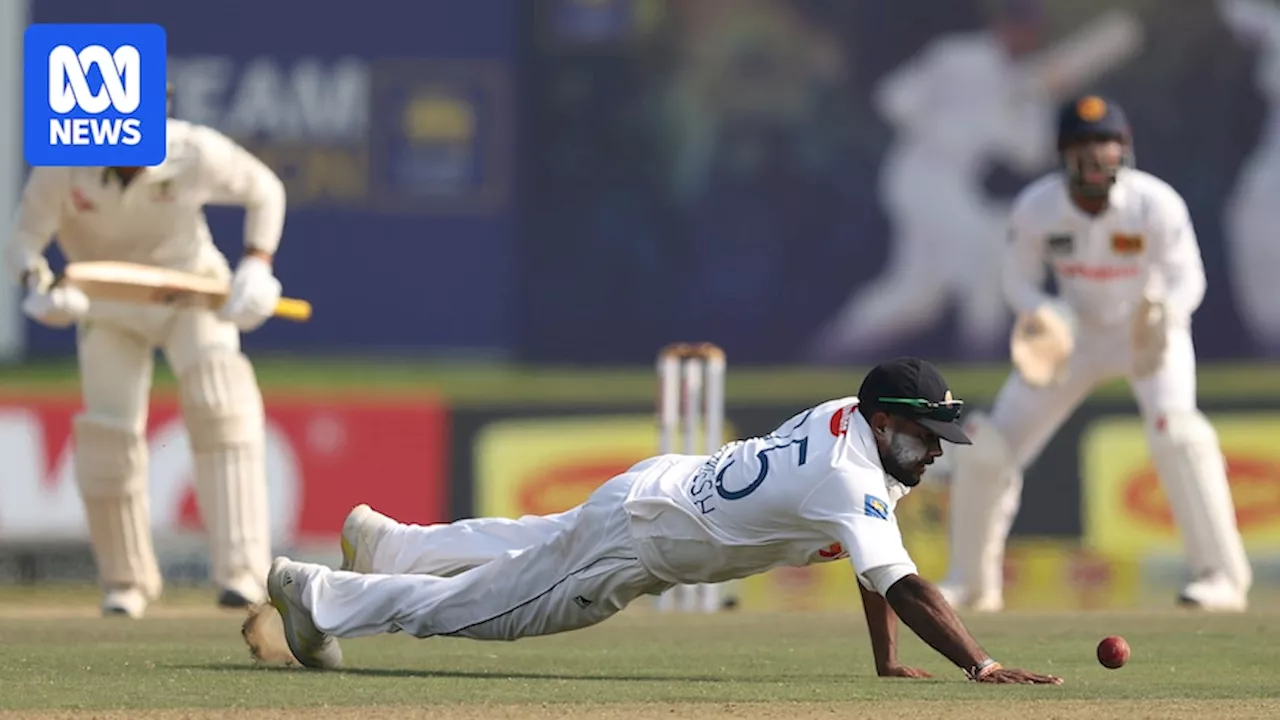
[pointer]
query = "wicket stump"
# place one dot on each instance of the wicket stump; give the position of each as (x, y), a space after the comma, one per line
(691, 421)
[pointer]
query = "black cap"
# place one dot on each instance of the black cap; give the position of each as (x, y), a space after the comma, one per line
(1091, 116)
(913, 388)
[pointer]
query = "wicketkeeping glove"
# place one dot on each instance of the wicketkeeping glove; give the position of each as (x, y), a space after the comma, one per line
(255, 291)
(1042, 343)
(1150, 336)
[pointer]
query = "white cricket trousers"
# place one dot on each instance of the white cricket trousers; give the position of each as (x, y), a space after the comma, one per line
(585, 569)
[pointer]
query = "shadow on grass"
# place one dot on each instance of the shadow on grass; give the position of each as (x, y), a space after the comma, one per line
(460, 674)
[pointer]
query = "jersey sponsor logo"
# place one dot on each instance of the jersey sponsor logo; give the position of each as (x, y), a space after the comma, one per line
(840, 420)
(80, 201)
(1061, 244)
(94, 95)
(1124, 244)
(876, 508)
(1096, 272)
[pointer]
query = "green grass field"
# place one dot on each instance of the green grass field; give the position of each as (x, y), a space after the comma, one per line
(188, 661)
(480, 383)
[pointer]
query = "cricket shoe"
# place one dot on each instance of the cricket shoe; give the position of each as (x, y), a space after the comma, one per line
(363, 529)
(962, 599)
(310, 646)
(1213, 594)
(130, 602)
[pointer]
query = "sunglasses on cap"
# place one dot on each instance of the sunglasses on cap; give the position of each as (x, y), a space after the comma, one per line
(942, 411)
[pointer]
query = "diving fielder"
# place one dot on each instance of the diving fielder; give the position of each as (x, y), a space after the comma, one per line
(820, 488)
(155, 216)
(1123, 251)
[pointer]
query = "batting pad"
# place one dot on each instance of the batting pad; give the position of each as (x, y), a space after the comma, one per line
(223, 411)
(986, 488)
(1192, 469)
(111, 470)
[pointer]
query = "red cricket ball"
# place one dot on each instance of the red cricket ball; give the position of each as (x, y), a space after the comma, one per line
(1113, 652)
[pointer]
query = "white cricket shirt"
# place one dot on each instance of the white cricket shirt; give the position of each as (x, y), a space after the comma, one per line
(158, 218)
(811, 491)
(1143, 242)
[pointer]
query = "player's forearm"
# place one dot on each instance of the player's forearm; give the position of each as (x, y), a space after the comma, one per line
(882, 626)
(1022, 277)
(923, 609)
(39, 213)
(1022, 294)
(1026, 300)
(264, 215)
(25, 256)
(1184, 289)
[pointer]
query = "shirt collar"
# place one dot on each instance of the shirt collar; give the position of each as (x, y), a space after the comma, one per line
(867, 443)
(110, 173)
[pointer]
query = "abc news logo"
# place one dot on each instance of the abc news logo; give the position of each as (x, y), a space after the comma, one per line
(69, 91)
(93, 95)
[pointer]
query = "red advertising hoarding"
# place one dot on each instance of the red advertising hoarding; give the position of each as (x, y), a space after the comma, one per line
(323, 457)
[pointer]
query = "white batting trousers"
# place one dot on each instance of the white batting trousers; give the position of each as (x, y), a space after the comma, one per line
(587, 570)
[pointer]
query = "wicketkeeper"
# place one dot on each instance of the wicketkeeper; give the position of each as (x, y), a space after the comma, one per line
(1122, 249)
(155, 216)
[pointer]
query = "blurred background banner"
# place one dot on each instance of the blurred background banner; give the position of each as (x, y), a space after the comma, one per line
(795, 180)
(826, 180)
(323, 457)
(392, 126)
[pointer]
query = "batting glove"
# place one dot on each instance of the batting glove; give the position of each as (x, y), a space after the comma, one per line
(254, 294)
(56, 306)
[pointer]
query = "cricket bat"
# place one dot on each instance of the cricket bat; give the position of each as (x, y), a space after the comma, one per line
(133, 282)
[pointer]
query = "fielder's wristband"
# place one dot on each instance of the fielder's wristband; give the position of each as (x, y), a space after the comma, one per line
(982, 669)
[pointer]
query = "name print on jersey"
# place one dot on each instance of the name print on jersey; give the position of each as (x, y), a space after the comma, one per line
(702, 488)
(94, 95)
(710, 487)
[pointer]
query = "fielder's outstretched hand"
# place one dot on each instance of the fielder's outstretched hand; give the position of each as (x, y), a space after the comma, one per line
(923, 609)
(1014, 676)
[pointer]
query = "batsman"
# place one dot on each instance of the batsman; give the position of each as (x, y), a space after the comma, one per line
(1124, 255)
(155, 216)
